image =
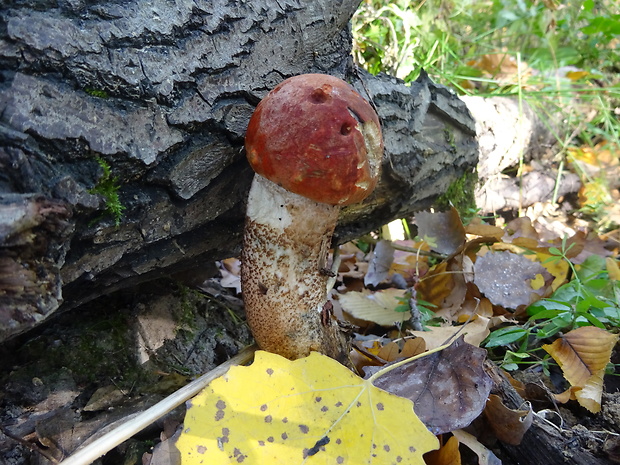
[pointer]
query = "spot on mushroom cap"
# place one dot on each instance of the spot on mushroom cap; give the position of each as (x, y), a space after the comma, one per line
(315, 136)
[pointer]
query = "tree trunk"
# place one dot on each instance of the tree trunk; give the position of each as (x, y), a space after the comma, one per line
(159, 93)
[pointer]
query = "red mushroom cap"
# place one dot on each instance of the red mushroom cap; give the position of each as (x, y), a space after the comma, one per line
(315, 136)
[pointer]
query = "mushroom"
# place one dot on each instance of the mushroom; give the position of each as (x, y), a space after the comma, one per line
(315, 145)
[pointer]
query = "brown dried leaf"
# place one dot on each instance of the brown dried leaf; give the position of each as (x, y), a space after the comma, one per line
(413, 347)
(443, 230)
(391, 352)
(583, 355)
(474, 332)
(449, 388)
(505, 278)
(484, 230)
(508, 425)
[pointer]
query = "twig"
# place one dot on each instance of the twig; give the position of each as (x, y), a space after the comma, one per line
(108, 441)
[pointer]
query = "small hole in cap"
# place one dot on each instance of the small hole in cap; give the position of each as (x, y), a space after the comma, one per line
(320, 95)
(345, 129)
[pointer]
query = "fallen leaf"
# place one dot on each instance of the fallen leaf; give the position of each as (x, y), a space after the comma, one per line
(311, 411)
(475, 332)
(449, 388)
(485, 456)
(508, 425)
(583, 354)
(612, 268)
(485, 230)
(412, 347)
(445, 230)
(505, 278)
(380, 263)
(378, 307)
(447, 454)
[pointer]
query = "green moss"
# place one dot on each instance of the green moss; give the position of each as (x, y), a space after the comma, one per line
(108, 187)
(460, 194)
(448, 133)
(96, 92)
(189, 300)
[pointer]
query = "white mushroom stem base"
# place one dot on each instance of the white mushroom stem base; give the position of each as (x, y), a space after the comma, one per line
(284, 273)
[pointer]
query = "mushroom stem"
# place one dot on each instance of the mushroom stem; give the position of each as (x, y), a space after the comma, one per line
(285, 273)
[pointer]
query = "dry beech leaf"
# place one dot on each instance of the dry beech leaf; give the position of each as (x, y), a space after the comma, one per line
(389, 352)
(444, 230)
(444, 286)
(583, 354)
(448, 388)
(508, 425)
(447, 454)
(475, 332)
(436, 285)
(308, 411)
(505, 278)
(521, 227)
(485, 456)
(484, 230)
(378, 307)
(380, 263)
(412, 347)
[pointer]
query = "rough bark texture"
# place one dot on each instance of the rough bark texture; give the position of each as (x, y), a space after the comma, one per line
(162, 91)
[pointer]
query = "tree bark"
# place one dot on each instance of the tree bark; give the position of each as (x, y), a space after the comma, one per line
(161, 92)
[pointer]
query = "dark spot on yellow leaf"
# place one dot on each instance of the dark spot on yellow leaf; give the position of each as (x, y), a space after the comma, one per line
(359, 404)
(268, 419)
(374, 446)
(411, 449)
(263, 407)
(305, 453)
(240, 457)
(201, 449)
(338, 441)
(399, 459)
(325, 408)
(318, 399)
(219, 415)
(270, 439)
(304, 429)
(285, 420)
(225, 432)
(220, 404)
(269, 371)
(261, 443)
(318, 446)
(380, 406)
(338, 404)
(386, 448)
(284, 436)
(339, 459)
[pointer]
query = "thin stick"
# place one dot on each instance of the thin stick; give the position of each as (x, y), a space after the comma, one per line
(108, 441)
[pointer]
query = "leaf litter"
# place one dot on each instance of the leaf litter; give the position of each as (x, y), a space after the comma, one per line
(476, 279)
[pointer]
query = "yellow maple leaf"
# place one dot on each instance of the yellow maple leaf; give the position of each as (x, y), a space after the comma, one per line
(308, 411)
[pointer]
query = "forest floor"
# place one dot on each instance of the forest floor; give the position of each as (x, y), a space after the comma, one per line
(86, 371)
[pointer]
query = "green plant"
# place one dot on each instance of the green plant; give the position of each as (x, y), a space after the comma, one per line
(561, 58)
(590, 298)
(108, 186)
